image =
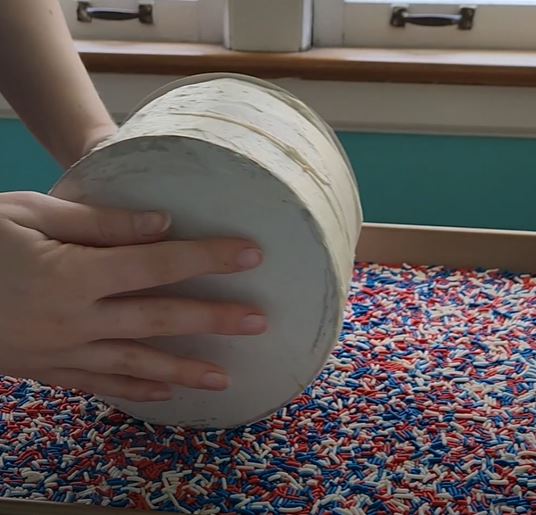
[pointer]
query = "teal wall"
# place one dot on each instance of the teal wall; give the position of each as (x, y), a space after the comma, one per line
(24, 165)
(446, 180)
(430, 180)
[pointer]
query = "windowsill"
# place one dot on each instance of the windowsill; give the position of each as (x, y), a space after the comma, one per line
(475, 67)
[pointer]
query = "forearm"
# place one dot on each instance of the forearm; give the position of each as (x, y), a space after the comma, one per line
(45, 81)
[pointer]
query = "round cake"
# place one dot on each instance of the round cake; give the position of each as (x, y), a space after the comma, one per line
(232, 156)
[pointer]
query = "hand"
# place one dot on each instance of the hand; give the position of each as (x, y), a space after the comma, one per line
(61, 322)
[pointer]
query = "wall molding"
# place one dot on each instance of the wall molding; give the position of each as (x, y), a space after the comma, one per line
(370, 107)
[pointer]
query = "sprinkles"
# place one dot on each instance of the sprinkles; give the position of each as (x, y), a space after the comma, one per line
(427, 405)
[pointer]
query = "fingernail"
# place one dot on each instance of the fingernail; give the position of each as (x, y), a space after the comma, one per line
(249, 258)
(215, 381)
(253, 324)
(151, 223)
(160, 395)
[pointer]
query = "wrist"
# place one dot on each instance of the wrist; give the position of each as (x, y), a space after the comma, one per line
(97, 134)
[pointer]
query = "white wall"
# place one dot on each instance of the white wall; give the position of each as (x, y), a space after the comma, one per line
(385, 107)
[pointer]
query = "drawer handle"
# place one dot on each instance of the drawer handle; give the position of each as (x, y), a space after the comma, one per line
(464, 19)
(86, 13)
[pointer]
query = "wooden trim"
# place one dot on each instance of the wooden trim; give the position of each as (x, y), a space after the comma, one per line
(27, 507)
(514, 251)
(490, 68)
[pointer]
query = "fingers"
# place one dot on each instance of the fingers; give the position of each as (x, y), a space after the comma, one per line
(141, 361)
(144, 317)
(124, 269)
(70, 222)
(118, 386)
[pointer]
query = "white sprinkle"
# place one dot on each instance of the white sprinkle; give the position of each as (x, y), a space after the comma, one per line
(521, 469)
(51, 479)
(331, 498)
(404, 496)
(261, 504)
(243, 503)
(149, 427)
(158, 500)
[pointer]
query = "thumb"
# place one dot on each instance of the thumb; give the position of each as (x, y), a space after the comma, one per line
(70, 222)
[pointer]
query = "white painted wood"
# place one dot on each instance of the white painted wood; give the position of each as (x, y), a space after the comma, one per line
(421, 108)
(498, 24)
(174, 20)
(363, 107)
(307, 25)
(234, 156)
(210, 19)
(275, 26)
(328, 23)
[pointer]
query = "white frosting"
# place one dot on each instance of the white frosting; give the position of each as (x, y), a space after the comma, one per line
(201, 111)
(232, 157)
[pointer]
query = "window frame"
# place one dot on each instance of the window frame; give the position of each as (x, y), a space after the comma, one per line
(336, 23)
(365, 24)
(186, 21)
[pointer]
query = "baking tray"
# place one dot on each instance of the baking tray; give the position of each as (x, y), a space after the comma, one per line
(514, 251)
